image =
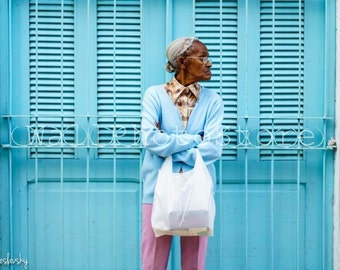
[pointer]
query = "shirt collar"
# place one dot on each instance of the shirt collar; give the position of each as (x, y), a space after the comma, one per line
(175, 89)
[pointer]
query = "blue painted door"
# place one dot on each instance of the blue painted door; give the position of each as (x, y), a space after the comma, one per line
(75, 72)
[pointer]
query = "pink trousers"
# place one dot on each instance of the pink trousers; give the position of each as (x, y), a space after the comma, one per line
(155, 250)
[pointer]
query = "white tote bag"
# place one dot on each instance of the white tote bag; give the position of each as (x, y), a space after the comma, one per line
(183, 202)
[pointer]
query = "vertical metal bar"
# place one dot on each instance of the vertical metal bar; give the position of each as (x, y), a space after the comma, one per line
(62, 128)
(88, 122)
(36, 193)
(62, 61)
(10, 165)
(88, 200)
(298, 158)
(10, 161)
(114, 161)
(220, 198)
(10, 51)
(114, 209)
(36, 204)
(141, 149)
(140, 202)
(246, 52)
(336, 163)
(246, 177)
(272, 210)
(325, 109)
(220, 161)
(272, 143)
(114, 57)
(298, 183)
(61, 198)
(324, 205)
(36, 55)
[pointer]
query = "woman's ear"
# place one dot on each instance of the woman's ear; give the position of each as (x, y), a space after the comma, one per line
(181, 62)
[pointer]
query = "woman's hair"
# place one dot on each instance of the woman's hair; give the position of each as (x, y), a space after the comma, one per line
(176, 48)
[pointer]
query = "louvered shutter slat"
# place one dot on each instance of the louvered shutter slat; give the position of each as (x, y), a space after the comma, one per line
(118, 75)
(281, 72)
(51, 36)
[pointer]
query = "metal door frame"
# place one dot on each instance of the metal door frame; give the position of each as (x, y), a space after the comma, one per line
(336, 208)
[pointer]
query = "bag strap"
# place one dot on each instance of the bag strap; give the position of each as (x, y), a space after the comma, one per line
(199, 159)
(167, 164)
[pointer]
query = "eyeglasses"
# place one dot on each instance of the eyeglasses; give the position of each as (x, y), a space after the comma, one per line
(204, 59)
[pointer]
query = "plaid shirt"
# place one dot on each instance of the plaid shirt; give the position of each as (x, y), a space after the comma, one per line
(184, 97)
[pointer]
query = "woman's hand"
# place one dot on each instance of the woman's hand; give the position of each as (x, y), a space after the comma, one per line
(158, 126)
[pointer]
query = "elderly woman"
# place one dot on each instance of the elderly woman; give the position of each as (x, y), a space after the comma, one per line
(178, 118)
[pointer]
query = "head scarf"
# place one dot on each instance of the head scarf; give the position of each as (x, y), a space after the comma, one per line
(175, 49)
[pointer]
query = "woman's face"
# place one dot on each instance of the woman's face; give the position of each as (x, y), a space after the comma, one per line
(196, 67)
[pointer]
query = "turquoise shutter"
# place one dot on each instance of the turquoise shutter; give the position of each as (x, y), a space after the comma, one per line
(52, 78)
(275, 93)
(281, 75)
(223, 53)
(51, 64)
(119, 77)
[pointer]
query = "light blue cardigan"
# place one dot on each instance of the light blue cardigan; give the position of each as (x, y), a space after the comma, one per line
(205, 119)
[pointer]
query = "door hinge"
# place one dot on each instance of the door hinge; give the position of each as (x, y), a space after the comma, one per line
(332, 143)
